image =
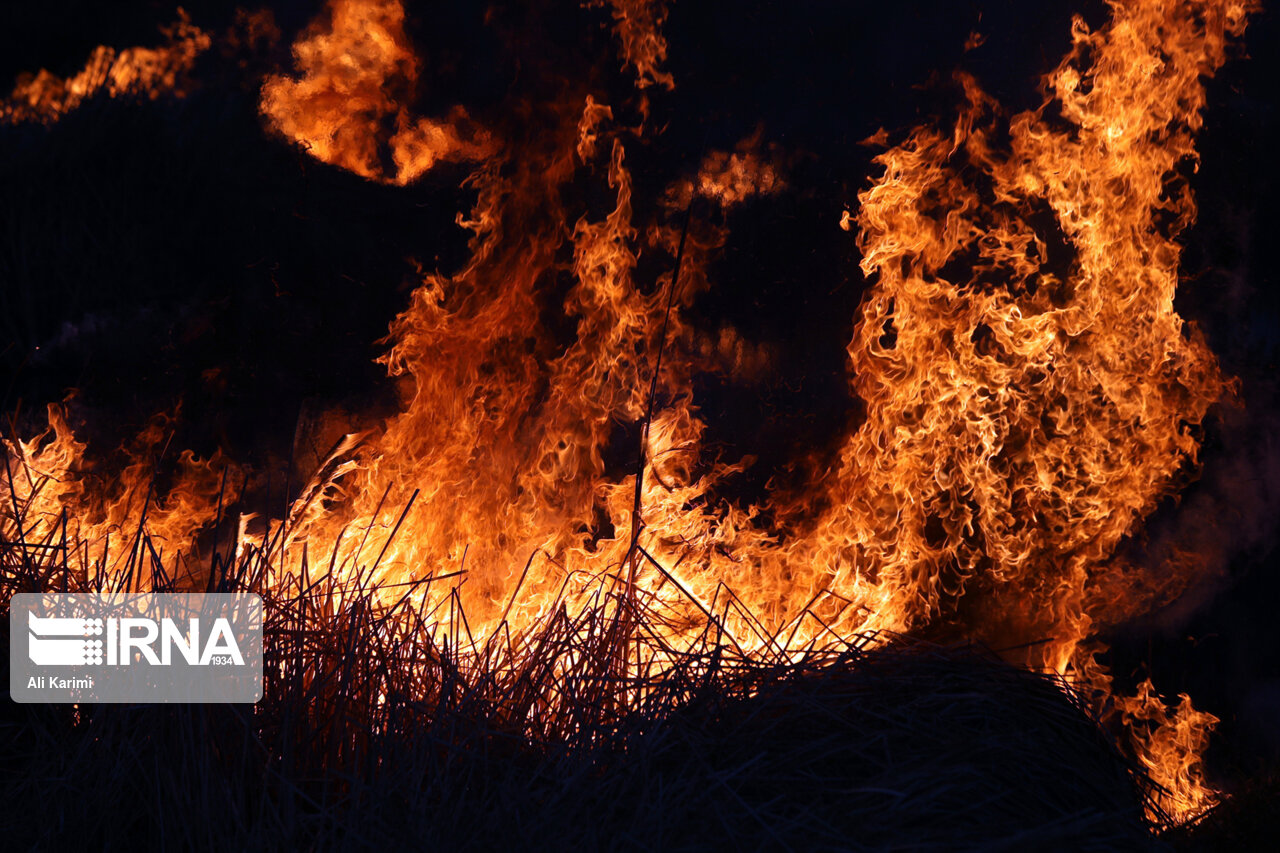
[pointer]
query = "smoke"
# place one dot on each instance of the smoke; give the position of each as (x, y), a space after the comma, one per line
(1226, 521)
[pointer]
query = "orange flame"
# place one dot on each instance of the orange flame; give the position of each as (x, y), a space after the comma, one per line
(108, 521)
(1024, 412)
(638, 26)
(358, 70)
(1024, 416)
(131, 71)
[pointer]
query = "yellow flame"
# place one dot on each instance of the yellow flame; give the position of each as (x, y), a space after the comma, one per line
(1024, 414)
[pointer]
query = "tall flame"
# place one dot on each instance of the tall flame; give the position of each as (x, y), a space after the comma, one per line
(1024, 414)
(1030, 391)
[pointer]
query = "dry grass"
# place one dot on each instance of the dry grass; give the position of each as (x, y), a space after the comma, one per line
(379, 728)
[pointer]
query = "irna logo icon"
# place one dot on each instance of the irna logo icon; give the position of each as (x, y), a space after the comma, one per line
(58, 641)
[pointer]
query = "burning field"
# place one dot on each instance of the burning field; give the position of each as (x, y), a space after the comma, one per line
(654, 425)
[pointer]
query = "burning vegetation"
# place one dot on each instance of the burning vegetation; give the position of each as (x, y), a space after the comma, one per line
(140, 71)
(538, 560)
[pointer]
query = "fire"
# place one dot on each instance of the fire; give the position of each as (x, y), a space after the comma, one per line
(119, 527)
(136, 70)
(1024, 413)
(1025, 416)
(358, 73)
(638, 26)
